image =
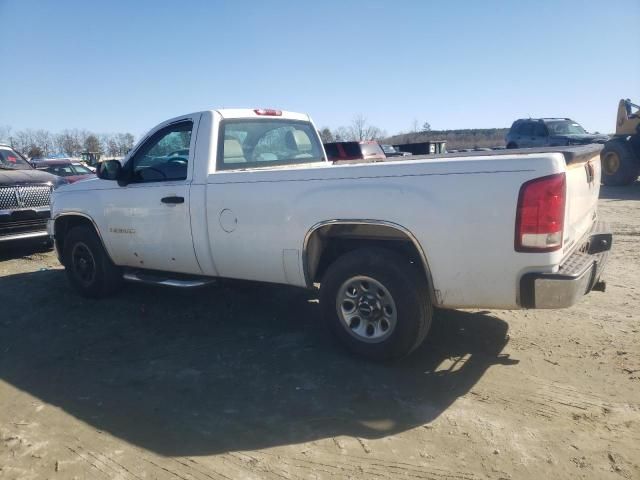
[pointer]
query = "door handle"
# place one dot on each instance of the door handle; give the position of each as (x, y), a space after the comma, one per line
(172, 200)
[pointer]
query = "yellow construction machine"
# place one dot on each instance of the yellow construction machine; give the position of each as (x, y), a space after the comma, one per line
(620, 156)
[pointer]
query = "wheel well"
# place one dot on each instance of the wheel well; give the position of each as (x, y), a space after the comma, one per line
(64, 224)
(326, 243)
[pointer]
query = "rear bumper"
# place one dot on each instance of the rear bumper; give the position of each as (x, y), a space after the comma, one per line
(576, 277)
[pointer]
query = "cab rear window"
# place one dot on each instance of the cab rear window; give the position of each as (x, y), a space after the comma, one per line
(263, 143)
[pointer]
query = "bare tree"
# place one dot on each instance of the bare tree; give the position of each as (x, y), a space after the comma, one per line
(325, 135)
(23, 141)
(426, 127)
(361, 130)
(68, 142)
(342, 134)
(92, 144)
(5, 134)
(43, 140)
(112, 147)
(125, 142)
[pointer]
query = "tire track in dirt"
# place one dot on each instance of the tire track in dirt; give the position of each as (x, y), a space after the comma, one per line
(341, 465)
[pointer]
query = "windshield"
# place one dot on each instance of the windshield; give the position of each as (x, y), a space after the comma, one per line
(264, 143)
(62, 170)
(12, 161)
(565, 127)
(388, 149)
(82, 170)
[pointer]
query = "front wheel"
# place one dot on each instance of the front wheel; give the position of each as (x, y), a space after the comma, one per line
(376, 303)
(88, 267)
(619, 167)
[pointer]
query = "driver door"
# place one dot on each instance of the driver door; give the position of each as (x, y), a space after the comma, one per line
(148, 220)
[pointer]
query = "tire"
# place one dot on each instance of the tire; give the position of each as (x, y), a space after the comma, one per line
(512, 145)
(87, 265)
(376, 303)
(619, 165)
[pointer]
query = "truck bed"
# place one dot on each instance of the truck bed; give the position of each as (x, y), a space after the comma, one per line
(572, 154)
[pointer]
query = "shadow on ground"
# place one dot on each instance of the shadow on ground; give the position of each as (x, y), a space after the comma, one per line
(22, 249)
(229, 367)
(628, 192)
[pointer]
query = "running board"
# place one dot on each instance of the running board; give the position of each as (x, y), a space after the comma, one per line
(166, 280)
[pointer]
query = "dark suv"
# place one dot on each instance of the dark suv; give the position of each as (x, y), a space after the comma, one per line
(24, 198)
(549, 132)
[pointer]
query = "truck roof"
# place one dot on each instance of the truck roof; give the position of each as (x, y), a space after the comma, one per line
(229, 113)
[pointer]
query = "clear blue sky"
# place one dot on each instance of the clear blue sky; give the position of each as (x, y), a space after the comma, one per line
(126, 65)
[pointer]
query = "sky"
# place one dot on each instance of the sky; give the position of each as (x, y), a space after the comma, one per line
(115, 66)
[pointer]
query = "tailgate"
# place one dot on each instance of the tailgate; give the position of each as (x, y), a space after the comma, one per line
(583, 189)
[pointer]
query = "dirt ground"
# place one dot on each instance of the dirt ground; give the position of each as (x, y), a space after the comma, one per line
(242, 381)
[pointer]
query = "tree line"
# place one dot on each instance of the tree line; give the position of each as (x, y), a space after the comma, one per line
(71, 142)
(42, 143)
(361, 130)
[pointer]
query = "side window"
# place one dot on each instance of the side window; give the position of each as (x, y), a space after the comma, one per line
(165, 156)
(517, 128)
(525, 129)
(61, 170)
(539, 130)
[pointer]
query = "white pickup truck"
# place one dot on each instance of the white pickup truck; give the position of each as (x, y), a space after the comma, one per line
(249, 194)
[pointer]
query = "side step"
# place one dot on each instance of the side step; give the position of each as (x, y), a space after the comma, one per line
(167, 279)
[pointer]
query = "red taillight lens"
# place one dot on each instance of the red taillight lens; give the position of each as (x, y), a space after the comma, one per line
(540, 214)
(270, 112)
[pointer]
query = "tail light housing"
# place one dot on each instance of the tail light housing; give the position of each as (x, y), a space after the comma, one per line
(540, 214)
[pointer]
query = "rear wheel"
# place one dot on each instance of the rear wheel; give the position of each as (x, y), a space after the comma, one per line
(376, 303)
(619, 165)
(87, 265)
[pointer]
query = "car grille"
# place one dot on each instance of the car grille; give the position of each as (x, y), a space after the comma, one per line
(29, 196)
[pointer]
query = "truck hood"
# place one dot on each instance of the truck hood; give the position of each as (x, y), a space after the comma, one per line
(26, 177)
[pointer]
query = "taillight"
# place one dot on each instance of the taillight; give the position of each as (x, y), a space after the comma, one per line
(270, 112)
(540, 214)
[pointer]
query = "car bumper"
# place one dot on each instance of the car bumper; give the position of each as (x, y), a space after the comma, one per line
(578, 275)
(23, 224)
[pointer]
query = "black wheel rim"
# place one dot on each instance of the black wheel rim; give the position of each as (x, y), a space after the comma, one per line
(83, 263)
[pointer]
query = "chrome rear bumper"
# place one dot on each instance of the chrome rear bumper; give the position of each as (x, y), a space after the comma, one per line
(578, 275)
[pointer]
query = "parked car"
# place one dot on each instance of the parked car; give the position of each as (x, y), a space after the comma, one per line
(67, 169)
(391, 151)
(365, 150)
(83, 164)
(387, 241)
(549, 132)
(24, 198)
(432, 147)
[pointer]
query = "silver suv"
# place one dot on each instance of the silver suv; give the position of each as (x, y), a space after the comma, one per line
(549, 132)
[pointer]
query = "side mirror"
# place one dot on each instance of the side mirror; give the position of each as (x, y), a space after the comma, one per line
(109, 170)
